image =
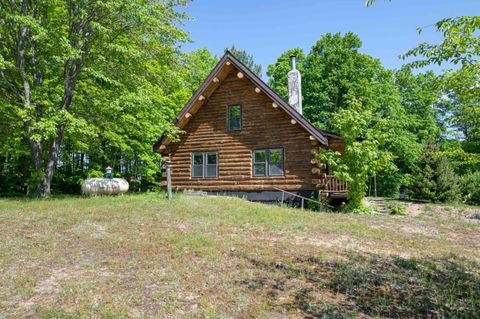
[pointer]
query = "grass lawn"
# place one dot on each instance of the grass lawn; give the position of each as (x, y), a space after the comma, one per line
(204, 257)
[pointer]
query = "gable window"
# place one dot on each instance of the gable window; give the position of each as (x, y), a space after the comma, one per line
(268, 162)
(205, 164)
(234, 117)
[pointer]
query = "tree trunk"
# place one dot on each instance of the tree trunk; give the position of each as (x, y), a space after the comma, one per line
(44, 185)
(36, 150)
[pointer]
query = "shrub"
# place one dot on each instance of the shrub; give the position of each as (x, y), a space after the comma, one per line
(470, 186)
(323, 207)
(397, 209)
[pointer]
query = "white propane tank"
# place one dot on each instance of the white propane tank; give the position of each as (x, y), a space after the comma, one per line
(104, 186)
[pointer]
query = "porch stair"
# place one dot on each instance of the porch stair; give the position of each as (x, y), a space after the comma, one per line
(379, 202)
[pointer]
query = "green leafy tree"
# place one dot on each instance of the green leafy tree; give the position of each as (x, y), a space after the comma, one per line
(415, 121)
(421, 98)
(460, 46)
(278, 72)
(125, 125)
(470, 185)
(334, 72)
(434, 179)
(67, 65)
(363, 157)
(246, 58)
(197, 65)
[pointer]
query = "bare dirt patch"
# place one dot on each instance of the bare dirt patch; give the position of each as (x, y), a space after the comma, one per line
(142, 256)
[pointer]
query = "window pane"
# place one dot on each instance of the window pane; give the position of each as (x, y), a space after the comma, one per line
(197, 170)
(259, 169)
(260, 156)
(235, 124)
(275, 169)
(234, 117)
(234, 111)
(198, 158)
(211, 158)
(275, 162)
(276, 156)
(211, 170)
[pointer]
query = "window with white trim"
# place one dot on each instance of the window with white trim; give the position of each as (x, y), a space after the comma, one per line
(268, 162)
(205, 164)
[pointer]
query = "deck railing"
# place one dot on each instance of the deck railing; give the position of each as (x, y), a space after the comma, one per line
(333, 184)
(302, 199)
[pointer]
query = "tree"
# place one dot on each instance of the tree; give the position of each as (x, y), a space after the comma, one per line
(471, 188)
(197, 65)
(62, 62)
(246, 59)
(460, 46)
(278, 72)
(434, 179)
(363, 156)
(421, 98)
(334, 72)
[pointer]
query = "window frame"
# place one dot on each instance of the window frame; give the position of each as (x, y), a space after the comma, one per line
(230, 106)
(204, 164)
(264, 163)
(267, 161)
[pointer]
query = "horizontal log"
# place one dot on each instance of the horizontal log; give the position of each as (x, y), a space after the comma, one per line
(263, 127)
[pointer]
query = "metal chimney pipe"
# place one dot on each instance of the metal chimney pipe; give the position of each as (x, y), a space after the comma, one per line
(293, 59)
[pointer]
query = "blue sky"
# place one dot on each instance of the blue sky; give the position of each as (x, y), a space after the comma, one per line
(268, 28)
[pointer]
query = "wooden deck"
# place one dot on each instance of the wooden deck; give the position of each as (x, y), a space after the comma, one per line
(331, 184)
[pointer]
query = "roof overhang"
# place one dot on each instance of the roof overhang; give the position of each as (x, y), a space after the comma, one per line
(226, 64)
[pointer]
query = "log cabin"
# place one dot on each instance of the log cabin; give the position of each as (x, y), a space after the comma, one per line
(241, 138)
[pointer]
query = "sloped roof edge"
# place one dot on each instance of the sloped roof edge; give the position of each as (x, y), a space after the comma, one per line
(229, 57)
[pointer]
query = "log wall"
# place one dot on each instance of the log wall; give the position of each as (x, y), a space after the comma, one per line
(263, 126)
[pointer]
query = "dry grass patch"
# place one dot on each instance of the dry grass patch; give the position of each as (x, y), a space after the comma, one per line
(142, 256)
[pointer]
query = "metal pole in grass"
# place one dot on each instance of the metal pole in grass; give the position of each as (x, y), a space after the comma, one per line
(169, 179)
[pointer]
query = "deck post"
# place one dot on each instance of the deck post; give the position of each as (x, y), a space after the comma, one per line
(283, 197)
(303, 200)
(169, 179)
